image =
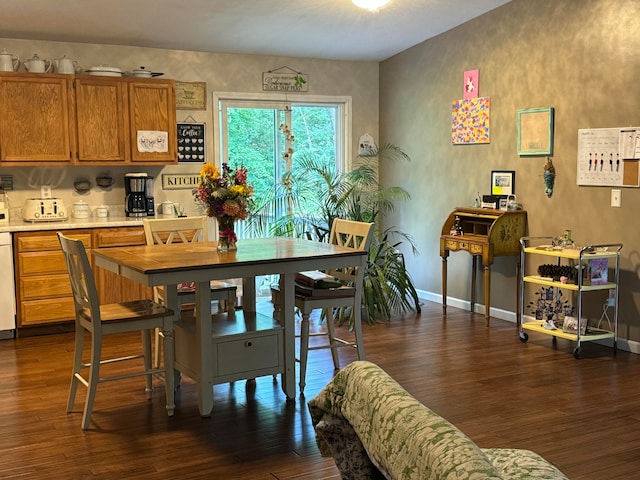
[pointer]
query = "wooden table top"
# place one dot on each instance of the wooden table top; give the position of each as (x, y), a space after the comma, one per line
(204, 255)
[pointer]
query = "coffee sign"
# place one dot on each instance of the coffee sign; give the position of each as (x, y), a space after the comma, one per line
(191, 142)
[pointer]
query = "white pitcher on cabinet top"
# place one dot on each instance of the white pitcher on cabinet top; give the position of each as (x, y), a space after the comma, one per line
(65, 65)
(35, 65)
(8, 61)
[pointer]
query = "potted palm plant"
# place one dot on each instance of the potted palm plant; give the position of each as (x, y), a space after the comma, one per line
(304, 204)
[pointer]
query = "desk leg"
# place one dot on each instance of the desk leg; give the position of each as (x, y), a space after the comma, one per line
(487, 294)
(172, 302)
(474, 275)
(287, 310)
(204, 345)
(444, 283)
(249, 294)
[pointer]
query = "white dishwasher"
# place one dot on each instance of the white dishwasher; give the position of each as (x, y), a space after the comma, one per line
(7, 289)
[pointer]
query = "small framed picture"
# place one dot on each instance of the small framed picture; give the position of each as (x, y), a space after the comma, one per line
(503, 183)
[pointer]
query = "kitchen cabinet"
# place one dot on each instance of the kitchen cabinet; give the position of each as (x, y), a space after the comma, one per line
(112, 287)
(580, 263)
(35, 126)
(52, 119)
(111, 111)
(43, 290)
(152, 108)
(102, 120)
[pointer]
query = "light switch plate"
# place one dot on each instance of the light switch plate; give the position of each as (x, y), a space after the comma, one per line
(616, 197)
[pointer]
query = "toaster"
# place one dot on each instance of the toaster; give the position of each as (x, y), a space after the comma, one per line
(44, 210)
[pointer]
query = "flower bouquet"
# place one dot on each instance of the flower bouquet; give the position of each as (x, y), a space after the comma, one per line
(225, 196)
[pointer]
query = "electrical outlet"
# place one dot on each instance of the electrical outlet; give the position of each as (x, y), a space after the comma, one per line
(45, 191)
(616, 197)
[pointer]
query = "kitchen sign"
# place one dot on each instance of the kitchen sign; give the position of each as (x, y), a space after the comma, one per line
(180, 181)
(285, 81)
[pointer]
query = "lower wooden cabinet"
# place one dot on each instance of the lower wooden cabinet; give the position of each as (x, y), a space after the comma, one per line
(43, 289)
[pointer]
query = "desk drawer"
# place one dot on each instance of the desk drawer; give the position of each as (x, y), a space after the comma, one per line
(250, 352)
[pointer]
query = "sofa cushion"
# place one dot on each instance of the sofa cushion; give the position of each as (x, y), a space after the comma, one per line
(397, 431)
(521, 464)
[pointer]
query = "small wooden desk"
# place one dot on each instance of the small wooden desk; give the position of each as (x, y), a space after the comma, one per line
(169, 265)
(487, 233)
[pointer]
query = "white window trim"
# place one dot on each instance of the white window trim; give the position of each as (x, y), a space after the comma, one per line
(286, 99)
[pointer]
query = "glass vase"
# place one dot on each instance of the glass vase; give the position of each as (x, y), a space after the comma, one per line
(226, 234)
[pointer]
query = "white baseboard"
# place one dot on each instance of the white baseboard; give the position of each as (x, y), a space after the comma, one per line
(623, 343)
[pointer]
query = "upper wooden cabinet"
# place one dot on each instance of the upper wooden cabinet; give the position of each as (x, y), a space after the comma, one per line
(66, 119)
(35, 119)
(152, 112)
(111, 111)
(103, 123)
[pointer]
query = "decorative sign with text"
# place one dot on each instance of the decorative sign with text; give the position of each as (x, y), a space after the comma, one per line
(285, 79)
(191, 142)
(180, 181)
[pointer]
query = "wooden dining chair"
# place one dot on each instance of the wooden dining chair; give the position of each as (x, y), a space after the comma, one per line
(165, 231)
(346, 233)
(100, 320)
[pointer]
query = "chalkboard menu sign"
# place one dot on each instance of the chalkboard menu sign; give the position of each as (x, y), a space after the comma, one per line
(191, 142)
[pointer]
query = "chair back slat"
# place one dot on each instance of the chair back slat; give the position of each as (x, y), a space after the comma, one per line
(349, 233)
(83, 286)
(175, 230)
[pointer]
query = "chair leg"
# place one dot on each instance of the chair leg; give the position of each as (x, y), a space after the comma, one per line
(331, 333)
(157, 348)
(146, 350)
(169, 369)
(304, 350)
(77, 367)
(94, 377)
(357, 329)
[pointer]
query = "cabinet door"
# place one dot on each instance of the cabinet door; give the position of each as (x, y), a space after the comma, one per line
(35, 119)
(152, 110)
(112, 287)
(102, 121)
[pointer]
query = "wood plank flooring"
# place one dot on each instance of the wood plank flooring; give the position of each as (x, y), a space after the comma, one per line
(583, 415)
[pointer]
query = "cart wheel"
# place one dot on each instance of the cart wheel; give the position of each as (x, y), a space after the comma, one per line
(577, 352)
(524, 337)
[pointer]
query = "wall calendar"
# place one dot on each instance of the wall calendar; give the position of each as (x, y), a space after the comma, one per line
(608, 157)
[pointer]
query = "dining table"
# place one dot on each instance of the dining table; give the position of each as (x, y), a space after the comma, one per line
(173, 264)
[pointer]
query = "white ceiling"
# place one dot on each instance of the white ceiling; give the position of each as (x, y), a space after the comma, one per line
(331, 29)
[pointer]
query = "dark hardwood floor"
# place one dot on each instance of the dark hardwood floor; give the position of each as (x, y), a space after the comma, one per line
(583, 415)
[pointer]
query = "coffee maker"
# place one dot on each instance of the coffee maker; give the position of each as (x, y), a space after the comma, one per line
(135, 203)
(148, 195)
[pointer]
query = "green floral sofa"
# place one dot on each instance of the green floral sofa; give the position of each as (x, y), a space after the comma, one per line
(373, 428)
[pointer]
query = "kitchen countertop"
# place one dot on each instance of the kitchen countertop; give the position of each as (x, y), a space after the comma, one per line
(19, 225)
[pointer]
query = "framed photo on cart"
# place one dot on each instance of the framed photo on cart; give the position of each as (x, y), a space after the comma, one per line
(535, 131)
(503, 183)
(191, 143)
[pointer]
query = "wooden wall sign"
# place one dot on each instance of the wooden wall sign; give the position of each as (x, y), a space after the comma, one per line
(285, 79)
(191, 142)
(191, 95)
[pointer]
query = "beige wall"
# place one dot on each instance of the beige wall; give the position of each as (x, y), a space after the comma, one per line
(221, 72)
(583, 59)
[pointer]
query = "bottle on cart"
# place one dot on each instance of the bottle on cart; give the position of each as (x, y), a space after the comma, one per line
(456, 228)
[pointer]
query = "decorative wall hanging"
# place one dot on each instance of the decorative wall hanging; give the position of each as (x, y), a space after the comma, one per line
(470, 121)
(609, 157)
(549, 177)
(180, 181)
(285, 79)
(191, 142)
(471, 84)
(535, 131)
(191, 95)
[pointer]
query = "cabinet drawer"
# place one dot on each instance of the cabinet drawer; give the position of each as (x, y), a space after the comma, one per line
(50, 310)
(37, 287)
(119, 237)
(41, 263)
(48, 241)
(247, 353)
